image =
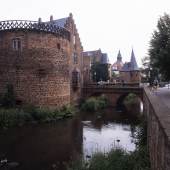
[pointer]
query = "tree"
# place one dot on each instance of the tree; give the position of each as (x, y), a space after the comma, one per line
(160, 48)
(100, 72)
(145, 70)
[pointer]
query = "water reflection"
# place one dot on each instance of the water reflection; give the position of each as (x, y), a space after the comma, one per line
(49, 146)
(42, 146)
(110, 131)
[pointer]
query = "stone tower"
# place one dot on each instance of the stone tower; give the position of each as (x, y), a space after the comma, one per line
(130, 71)
(42, 61)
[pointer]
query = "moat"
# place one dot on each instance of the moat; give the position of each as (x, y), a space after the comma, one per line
(52, 146)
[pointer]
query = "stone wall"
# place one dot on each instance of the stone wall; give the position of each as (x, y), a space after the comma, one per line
(75, 61)
(86, 70)
(39, 71)
(158, 118)
(130, 76)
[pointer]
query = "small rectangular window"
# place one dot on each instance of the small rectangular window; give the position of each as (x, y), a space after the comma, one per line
(58, 46)
(16, 44)
(75, 58)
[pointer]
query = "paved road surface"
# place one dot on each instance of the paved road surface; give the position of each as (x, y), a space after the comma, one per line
(164, 95)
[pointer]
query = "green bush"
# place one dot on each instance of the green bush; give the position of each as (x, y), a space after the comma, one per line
(14, 116)
(116, 159)
(69, 110)
(94, 104)
(130, 99)
(98, 162)
(8, 100)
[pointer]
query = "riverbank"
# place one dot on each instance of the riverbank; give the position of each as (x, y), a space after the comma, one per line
(11, 117)
(54, 145)
(118, 158)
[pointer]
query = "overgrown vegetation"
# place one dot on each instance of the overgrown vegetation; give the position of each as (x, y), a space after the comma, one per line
(131, 99)
(18, 116)
(8, 100)
(119, 159)
(13, 115)
(94, 104)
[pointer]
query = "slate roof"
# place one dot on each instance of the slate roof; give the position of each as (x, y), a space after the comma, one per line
(59, 22)
(126, 67)
(132, 65)
(104, 59)
(119, 56)
(91, 53)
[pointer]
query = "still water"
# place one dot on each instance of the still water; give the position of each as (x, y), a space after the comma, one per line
(51, 146)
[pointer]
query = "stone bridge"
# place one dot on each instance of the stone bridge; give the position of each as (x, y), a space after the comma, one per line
(115, 93)
(156, 113)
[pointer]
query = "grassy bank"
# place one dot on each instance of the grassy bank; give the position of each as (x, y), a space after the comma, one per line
(119, 159)
(94, 104)
(10, 117)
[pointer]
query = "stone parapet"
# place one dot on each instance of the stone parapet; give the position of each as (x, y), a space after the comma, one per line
(158, 118)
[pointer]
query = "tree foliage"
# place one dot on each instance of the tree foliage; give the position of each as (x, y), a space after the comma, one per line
(160, 47)
(100, 72)
(145, 70)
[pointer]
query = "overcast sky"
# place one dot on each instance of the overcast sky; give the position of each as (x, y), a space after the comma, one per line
(107, 24)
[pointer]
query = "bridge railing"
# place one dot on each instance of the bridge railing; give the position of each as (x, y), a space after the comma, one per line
(158, 118)
(34, 25)
(110, 85)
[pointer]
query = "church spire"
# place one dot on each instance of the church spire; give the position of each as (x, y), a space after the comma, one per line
(119, 56)
(133, 62)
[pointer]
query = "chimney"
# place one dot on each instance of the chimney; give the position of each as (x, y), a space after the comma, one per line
(39, 20)
(51, 18)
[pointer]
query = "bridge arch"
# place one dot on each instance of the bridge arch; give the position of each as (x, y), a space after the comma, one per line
(120, 101)
(114, 94)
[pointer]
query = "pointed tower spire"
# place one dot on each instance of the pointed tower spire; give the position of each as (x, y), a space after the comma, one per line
(133, 63)
(119, 56)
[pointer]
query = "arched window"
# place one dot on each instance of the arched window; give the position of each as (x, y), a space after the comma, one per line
(16, 44)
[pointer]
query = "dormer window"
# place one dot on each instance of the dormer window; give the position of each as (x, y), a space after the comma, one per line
(16, 44)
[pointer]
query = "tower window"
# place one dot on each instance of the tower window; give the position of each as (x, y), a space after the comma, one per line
(16, 44)
(75, 78)
(58, 46)
(75, 58)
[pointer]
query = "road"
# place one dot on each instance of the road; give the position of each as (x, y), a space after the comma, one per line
(164, 95)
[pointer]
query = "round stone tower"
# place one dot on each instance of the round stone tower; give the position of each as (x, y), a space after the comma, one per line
(34, 59)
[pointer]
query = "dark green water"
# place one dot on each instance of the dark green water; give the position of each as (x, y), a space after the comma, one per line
(51, 146)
